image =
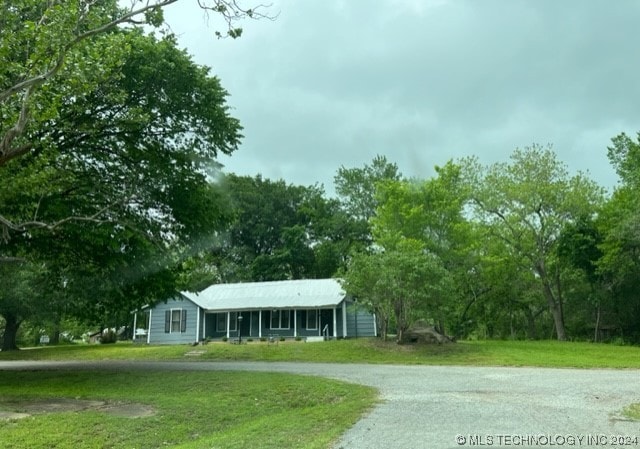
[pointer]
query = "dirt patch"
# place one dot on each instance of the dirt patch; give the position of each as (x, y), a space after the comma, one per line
(18, 409)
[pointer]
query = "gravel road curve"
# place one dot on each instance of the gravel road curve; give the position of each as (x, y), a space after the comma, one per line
(455, 407)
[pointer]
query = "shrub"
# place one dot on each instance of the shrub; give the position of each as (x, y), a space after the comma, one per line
(109, 336)
(263, 338)
(282, 338)
(224, 339)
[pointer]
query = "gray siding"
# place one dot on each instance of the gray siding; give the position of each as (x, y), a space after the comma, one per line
(158, 335)
(360, 322)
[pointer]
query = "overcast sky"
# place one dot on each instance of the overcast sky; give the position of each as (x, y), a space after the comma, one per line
(335, 82)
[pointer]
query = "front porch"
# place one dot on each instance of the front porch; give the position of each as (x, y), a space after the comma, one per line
(288, 323)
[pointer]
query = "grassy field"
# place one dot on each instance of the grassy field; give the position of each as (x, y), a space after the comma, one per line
(475, 353)
(233, 409)
(191, 410)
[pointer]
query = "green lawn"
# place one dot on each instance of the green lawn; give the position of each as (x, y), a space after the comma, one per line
(192, 410)
(475, 353)
(237, 409)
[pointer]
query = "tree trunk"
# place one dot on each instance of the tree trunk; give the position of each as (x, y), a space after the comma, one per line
(597, 331)
(554, 306)
(10, 332)
(532, 331)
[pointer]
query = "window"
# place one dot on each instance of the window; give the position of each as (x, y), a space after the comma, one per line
(221, 322)
(280, 319)
(175, 321)
(312, 319)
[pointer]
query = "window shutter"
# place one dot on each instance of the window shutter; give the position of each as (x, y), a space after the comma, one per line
(167, 321)
(183, 322)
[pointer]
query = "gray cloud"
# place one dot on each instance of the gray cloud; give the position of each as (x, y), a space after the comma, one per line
(333, 83)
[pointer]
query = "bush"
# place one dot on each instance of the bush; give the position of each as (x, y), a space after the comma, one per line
(224, 339)
(108, 337)
(298, 338)
(249, 340)
(282, 338)
(263, 338)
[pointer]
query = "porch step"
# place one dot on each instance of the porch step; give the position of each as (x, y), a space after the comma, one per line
(314, 339)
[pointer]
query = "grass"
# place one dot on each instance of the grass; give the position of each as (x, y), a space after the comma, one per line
(632, 411)
(236, 409)
(474, 353)
(193, 410)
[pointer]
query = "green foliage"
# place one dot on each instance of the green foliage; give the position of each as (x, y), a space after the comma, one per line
(123, 174)
(526, 204)
(108, 336)
(282, 231)
(402, 284)
(356, 187)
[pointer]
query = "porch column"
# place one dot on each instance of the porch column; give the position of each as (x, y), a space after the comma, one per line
(295, 323)
(344, 319)
(260, 323)
(335, 327)
(204, 325)
(199, 312)
(149, 330)
(135, 322)
(251, 323)
(228, 324)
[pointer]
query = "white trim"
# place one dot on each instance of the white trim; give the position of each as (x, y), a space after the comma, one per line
(344, 319)
(260, 323)
(315, 325)
(149, 331)
(179, 331)
(197, 324)
(280, 328)
(335, 330)
(228, 324)
(135, 324)
(204, 324)
(375, 325)
(295, 323)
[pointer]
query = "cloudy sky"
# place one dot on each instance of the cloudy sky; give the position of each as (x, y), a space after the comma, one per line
(332, 83)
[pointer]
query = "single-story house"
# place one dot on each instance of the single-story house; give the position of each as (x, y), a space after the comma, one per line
(294, 308)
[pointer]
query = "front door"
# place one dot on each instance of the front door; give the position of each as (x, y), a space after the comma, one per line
(326, 323)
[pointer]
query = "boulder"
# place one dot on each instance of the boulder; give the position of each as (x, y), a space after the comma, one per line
(422, 332)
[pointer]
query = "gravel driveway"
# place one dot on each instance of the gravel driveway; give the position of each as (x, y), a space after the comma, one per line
(452, 407)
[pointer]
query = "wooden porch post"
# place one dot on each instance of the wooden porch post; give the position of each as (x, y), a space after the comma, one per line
(295, 323)
(149, 330)
(260, 323)
(135, 322)
(199, 311)
(335, 327)
(204, 325)
(228, 324)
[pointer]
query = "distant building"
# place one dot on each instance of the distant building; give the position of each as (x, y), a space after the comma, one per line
(297, 308)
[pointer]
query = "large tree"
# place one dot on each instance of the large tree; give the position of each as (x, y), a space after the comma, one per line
(399, 285)
(283, 231)
(526, 203)
(619, 225)
(56, 53)
(116, 187)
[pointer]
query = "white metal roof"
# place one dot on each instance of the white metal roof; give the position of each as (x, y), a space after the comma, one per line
(305, 293)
